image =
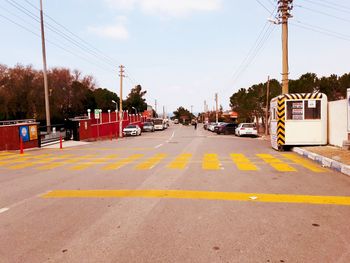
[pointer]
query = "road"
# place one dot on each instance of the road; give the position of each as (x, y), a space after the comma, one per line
(180, 195)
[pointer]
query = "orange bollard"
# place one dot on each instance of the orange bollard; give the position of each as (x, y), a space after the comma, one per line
(20, 145)
(61, 142)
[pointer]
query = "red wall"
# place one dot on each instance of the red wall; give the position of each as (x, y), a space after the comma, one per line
(9, 138)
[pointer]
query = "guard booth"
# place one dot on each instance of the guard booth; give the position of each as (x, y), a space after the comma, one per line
(298, 119)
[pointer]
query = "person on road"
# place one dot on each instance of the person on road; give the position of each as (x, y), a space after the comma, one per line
(195, 125)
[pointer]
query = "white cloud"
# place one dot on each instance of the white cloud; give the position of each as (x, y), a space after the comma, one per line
(172, 8)
(117, 31)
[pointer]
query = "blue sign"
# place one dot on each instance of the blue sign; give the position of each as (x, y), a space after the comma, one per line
(24, 133)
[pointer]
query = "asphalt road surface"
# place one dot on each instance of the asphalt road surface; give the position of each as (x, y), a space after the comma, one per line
(180, 195)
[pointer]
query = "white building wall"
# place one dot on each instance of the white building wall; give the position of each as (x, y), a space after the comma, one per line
(337, 122)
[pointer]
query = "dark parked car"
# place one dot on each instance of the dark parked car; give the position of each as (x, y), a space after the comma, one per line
(227, 128)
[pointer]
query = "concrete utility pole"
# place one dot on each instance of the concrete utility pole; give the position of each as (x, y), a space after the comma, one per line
(121, 117)
(155, 106)
(191, 109)
(267, 106)
(46, 86)
(163, 112)
(217, 109)
(284, 8)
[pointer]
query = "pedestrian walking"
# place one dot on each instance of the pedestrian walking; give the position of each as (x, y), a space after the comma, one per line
(195, 125)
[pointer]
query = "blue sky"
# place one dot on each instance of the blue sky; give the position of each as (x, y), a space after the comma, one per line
(182, 51)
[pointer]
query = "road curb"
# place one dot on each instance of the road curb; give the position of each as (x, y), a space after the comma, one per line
(324, 161)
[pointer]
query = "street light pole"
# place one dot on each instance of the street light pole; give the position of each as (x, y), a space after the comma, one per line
(47, 103)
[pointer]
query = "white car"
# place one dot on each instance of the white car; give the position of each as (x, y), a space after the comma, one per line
(246, 129)
(132, 130)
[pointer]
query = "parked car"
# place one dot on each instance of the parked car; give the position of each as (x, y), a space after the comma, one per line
(211, 126)
(227, 128)
(176, 121)
(246, 129)
(148, 126)
(132, 130)
(217, 126)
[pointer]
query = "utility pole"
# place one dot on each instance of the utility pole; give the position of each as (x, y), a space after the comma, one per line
(121, 117)
(163, 112)
(267, 106)
(191, 109)
(284, 8)
(217, 113)
(155, 106)
(46, 86)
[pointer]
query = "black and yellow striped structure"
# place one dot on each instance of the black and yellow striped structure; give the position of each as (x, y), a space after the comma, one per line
(281, 112)
(303, 96)
(281, 117)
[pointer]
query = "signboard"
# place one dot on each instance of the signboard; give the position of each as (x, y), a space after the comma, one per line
(348, 103)
(311, 104)
(24, 133)
(297, 110)
(33, 132)
(97, 113)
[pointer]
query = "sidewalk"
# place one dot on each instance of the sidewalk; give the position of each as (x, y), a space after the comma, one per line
(328, 156)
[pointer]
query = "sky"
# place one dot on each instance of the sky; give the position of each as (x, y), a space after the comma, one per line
(181, 52)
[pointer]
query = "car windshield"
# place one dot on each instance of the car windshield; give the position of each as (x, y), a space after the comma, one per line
(131, 127)
(249, 125)
(148, 124)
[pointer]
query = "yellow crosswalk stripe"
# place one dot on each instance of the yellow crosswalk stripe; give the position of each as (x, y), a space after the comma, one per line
(59, 161)
(242, 162)
(21, 166)
(117, 165)
(180, 162)
(151, 162)
(303, 162)
(211, 162)
(81, 167)
(276, 163)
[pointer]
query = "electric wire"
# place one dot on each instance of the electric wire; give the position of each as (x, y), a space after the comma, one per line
(56, 31)
(323, 13)
(78, 42)
(51, 42)
(329, 6)
(321, 30)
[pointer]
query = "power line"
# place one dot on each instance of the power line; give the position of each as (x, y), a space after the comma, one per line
(346, 10)
(52, 43)
(335, 4)
(76, 36)
(56, 31)
(322, 31)
(324, 13)
(256, 47)
(70, 37)
(263, 6)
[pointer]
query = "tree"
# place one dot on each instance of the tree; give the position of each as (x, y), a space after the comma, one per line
(103, 99)
(136, 99)
(181, 113)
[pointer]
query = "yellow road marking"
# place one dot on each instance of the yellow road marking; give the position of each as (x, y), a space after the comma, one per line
(211, 162)
(303, 162)
(180, 162)
(181, 194)
(151, 162)
(81, 167)
(53, 164)
(276, 163)
(21, 166)
(123, 162)
(243, 162)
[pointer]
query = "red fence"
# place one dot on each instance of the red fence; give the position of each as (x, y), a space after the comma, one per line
(107, 126)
